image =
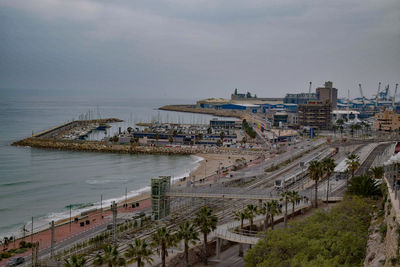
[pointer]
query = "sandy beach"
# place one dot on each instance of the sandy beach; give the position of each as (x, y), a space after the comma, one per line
(212, 162)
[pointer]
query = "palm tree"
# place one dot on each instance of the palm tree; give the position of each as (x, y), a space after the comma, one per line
(364, 186)
(329, 166)
(378, 172)
(264, 210)
(111, 257)
(188, 234)
(252, 211)
(163, 238)
(241, 216)
(294, 197)
(75, 261)
(353, 163)
(207, 222)
(139, 252)
(274, 209)
(285, 196)
(316, 172)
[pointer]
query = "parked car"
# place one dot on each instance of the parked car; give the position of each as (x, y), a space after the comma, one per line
(15, 261)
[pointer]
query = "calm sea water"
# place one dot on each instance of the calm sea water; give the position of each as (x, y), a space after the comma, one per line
(42, 183)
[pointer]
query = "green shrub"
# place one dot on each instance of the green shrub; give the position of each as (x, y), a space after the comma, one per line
(383, 230)
(6, 255)
(335, 237)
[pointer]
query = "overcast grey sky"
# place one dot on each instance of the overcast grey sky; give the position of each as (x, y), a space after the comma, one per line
(198, 48)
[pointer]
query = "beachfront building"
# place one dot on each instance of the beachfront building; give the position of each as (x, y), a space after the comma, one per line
(225, 124)
(387, 121)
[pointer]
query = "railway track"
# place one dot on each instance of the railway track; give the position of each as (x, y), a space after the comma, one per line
(223, 209)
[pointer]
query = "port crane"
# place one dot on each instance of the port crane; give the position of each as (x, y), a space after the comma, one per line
(377, 95)
(394, 96)
(362, 95)
(386, 92)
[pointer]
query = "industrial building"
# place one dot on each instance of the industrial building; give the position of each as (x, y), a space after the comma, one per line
(211, 102)
(327, 93)
(316, 114)
(345, 115)
(281, 118)
(301, 98)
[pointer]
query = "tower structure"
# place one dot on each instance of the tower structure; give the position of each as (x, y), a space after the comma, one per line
(160, 203)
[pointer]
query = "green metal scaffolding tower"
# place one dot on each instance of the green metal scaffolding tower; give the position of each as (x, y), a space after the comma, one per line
(160, 204)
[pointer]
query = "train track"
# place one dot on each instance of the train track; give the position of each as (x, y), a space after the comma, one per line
(223, 209)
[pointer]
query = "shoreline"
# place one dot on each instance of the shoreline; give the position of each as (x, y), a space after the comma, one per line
(208, 166)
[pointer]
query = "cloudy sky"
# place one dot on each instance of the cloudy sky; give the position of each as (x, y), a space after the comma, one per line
(198, 48)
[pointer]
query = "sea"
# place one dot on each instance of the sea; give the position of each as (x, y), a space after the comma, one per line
(43, 184)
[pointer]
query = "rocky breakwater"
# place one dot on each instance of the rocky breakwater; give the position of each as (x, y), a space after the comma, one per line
(101, 146)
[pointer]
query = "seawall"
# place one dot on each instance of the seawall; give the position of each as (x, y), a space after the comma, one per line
(215, 112)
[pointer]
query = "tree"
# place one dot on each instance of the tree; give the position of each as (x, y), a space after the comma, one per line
(316, 172)
(164, 239)
(188, 234)
(244, 140)
(222, 135)
(274, 209)
(139, 252)
(251, 213)
(352, 130)
(293, 198)
(265, 211)
(353, 163)
(332, 237)
(364, 186)
(335, 128)
(207, 222)
(171, 140)
(75, 261)
(111, 257)
(241, 216)
(285, 196)
(378, 172)
(328, 165)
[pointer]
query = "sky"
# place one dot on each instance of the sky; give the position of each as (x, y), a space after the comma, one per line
(198, 48)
